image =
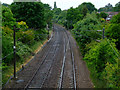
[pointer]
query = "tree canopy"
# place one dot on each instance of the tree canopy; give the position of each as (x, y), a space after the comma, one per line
(30, 12)
(90, 7)
(7, 17)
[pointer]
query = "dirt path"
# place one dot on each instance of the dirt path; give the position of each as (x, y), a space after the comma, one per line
(58, 65)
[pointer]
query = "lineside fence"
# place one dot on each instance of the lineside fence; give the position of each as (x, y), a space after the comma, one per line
(103, 37)
(16, 49)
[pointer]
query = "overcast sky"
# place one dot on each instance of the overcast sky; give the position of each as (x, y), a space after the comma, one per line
(66, 4)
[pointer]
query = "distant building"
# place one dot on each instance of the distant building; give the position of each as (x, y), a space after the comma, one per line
(110, 15)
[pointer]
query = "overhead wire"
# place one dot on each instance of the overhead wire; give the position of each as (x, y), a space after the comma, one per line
(19, 49)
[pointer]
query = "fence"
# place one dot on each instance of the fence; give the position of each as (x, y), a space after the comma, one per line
(22, 38)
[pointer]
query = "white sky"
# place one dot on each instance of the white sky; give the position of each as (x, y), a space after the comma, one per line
(66, 4)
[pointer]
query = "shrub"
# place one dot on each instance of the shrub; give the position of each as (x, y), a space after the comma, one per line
(113, 32)
(111, 75)
(22, 51)
(86, 28)
(26, 37)
(22, 25)
(7, 48)
(101, 58)
(7, 17)
(6, 31)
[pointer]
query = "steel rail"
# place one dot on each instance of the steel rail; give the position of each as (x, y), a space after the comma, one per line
(39, 66)
(33, 76)
(73, 64)
(63, 63)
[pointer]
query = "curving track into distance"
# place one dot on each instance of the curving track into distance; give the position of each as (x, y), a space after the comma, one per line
(58, 65)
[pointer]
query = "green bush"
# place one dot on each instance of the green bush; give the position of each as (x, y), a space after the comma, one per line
(111, 75)
(7, 17)
(22, 51)
(86, 28)
(113, 29)
(26, 37)
(100, 58)
(7, 48)
(6, 31)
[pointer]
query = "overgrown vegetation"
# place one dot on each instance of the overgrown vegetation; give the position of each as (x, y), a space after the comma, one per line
(29, 20)
(109, 8)
(101, 55)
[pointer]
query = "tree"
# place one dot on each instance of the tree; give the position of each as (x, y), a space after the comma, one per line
(4, 4)
(57, 11)
(107, 8)
(84, 10)
(7, 17)
(113, 29)
(48, 15)
(30, 12)
(89, 6)
(73, 16)
(86, 29)
(116, 19)
(103, 15)
(62, 18)
(117, 7)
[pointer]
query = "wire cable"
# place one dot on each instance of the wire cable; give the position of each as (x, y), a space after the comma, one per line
(113, 49)
(18, 49)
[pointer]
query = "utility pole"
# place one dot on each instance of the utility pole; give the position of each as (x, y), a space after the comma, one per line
(14, 50)
(103, 32)
(71, 25)
(48, 31)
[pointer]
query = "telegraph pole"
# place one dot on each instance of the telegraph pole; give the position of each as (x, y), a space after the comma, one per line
(103, 32)
(14, 50)
(48, 31)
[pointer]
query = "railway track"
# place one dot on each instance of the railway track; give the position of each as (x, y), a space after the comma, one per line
(68, 45)
(55, 66)
(51, 52)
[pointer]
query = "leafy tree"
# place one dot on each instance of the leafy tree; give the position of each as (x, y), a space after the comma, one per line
(84, 10)
(117, 7)
(48, 15)
(73, 16)
(113, 29)
(7, 17)
(86, 28)
(103, 15)
(30, 12)
(4, 4)
(103, 64)
(116, 19)
(107, 8)
(62, 18)
(90, 7)
(57, 11)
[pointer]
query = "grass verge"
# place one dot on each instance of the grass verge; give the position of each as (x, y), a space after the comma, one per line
(8, 72)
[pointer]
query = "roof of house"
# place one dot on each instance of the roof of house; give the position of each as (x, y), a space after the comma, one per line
(112, 13)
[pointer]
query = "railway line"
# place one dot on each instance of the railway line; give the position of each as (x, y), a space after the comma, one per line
(55, 66)
(67, 49)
